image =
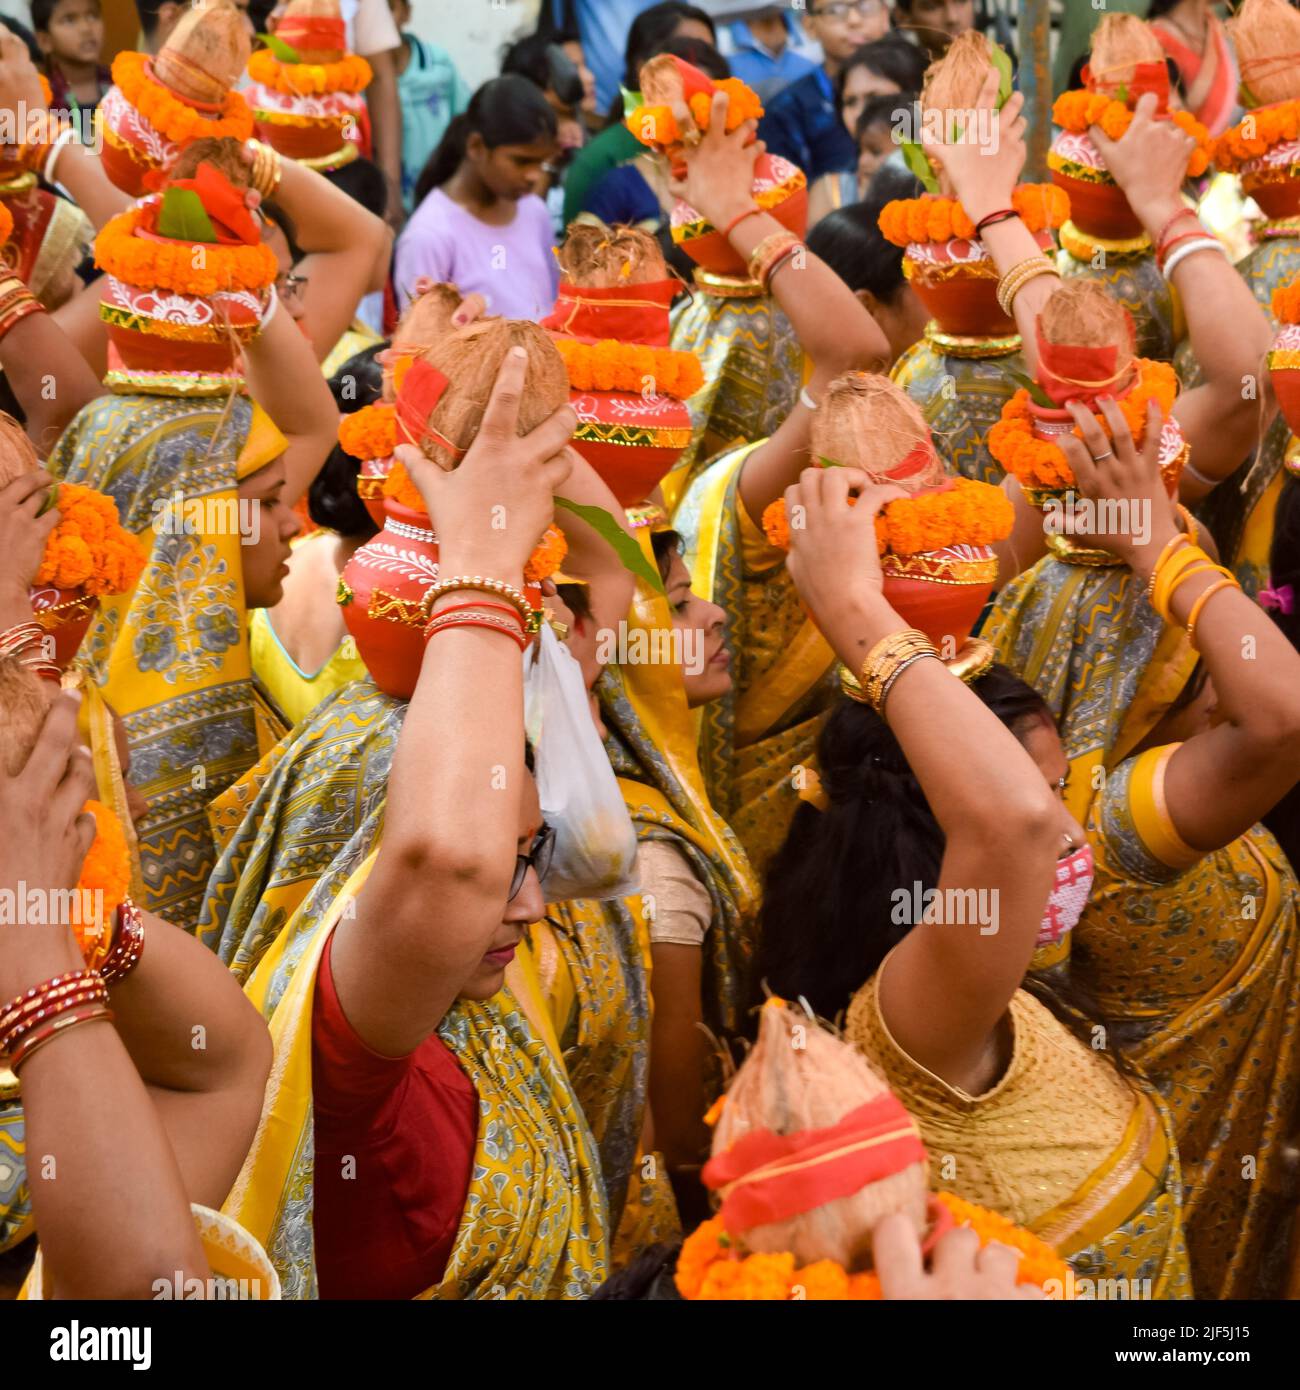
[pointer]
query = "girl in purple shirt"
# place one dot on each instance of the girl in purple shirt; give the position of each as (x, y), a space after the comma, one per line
(479, 223)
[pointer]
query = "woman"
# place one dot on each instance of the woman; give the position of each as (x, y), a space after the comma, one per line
(395, 1041)
(1189, 941)
(766, 724)
(944, 787)
(478, 221)
(171, 658)
(1192, 36)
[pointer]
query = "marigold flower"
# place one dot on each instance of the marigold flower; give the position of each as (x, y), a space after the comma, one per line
(369, 433)
(1041, 206)
(350, 74)
(170, 116)
(90, 549)
(106, 869)
(630, 367)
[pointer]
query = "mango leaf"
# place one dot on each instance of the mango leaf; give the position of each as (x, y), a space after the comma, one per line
(1036, 392)
(285, 52)
(631, 100)
(627, 550)
(184, 217)
(1002, 61)
(915, 159)
(1121, 93)
(51, 501)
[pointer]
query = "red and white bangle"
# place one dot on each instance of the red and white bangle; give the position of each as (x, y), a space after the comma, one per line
(127, 946)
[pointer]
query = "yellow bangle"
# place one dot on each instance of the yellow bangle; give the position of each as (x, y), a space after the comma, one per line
(1177, 562)
(1019, 276)
(1171, 545)
(1229, 583)
(1190, 573)
(884, 663)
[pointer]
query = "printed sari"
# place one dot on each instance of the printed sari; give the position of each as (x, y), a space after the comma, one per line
(534, 1224)
(1193, 958)
(783, 669)
(171, 657)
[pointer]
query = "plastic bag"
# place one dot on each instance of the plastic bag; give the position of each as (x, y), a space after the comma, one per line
(595, 840)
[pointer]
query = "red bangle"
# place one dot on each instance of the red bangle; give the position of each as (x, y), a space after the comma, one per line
(1003, 215)
(1162, 255)
(127, 945)
(1181, 213)
(89, 1013)
(479, 608)
(736, 221)
(441, 624)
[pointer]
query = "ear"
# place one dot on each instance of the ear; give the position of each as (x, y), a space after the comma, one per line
(869, 302)
(475, 148)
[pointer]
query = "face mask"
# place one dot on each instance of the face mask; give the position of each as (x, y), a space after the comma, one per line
(1074, 876)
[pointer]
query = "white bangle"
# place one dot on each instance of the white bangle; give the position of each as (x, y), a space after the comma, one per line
(65, 135)
(269, 312)
(1200, 477)
(1192, 247)
(806, 400)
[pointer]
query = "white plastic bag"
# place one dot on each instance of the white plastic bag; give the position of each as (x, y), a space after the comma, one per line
(595, 840)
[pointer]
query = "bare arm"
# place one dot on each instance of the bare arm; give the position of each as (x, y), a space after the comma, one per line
(48, 375)
(949, 982)
(437, 891)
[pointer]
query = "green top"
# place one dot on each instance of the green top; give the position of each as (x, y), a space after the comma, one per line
(1077, 23)
(614, 145)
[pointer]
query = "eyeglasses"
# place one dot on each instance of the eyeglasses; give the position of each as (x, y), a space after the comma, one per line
(842, 9)
(289, 284)
(539, 858)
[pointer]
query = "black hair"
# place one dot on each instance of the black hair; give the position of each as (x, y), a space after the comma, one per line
(1284, 819)
(148, 13)
(275, 213)
(883, 110)
(363, 181)
(332, 498)
(576, 597)
(700, 55)
(1155, 8)
(827, 919)
(42, 13)
(547, 66)
(850, 241)
(505, 111)
(665, 545)
(893, 58)
(649, 32)
(22, 32)
(259, 14)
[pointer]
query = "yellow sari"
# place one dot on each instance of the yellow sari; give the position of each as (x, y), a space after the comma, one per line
(535, 1222)
(1193, 959)
(171, 657)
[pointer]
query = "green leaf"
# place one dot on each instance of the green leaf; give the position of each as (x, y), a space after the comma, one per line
(1121, 93)
(631, 100)
(627, 550)
(184, 217)
(285, 52)
(1036, 392)
(1002, 61)
(824, 462)
(915, 158)
(51, 501)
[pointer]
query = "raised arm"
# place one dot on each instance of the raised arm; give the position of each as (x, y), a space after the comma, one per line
(88, 1114)
(436, 894)
(49, 377)
(949, 982)
(1221, 418)
(1222, 780)
(833, 326)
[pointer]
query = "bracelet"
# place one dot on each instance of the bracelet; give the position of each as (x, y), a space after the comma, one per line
(64, 137)
(481, 607)
(906, 640)
(806, 400)
(13, 311)
(992, 220)
(884, 663)
(1163, 254)
(1174, 543)
(267, 168)
(1173, 221)
(898, 671)
(127, 946)
(15, 1007)
(1174, 563)
(1193, 529)
(1229, 583)
(65, 1023)
(509, 628)
(272, 304)
(69, 998)
(1201, 244)
(736, 221)
(517, 601)
(1190, 572)
(14, 639)
(56, 995)
(1020, 274)
(765, 254)
(782, 259)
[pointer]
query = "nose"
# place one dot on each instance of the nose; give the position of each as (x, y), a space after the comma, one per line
(529, 904)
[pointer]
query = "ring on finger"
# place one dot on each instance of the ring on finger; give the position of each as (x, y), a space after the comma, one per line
(1098, 458)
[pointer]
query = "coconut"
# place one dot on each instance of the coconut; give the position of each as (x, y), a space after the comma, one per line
(427, 319)
(866, 422)
(801, 1077)
(1082, 313)
(16, 453)
(955, 81)
(470, 359)
(206, 53)
(292, 21)
(24, 700)
(1120, 43)
(595, 256)
(224, 154)
(1266, 35)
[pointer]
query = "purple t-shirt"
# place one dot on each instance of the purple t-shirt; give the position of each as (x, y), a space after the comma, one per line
(512, 267)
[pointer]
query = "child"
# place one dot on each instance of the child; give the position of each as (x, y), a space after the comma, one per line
(875, 135)
(70, 35)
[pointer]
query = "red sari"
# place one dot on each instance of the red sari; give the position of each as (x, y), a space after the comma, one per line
(1209, 79)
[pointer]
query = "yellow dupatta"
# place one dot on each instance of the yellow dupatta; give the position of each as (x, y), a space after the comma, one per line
(534, 1224)
(171, 657)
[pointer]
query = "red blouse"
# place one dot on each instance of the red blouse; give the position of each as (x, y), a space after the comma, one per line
(395, 1139)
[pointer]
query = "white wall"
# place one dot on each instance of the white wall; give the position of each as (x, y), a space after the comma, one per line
(474, 31)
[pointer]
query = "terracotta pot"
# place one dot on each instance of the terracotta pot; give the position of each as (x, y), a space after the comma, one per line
(132, 147)
(631, 441)
(370, 486)
(164, 331)
(941, 592)
(957, 281)
(1284, 369)
(306, 127)
(706, 245)
(1273, 180)
(66, 615)
(1097, 205)
(381, 592)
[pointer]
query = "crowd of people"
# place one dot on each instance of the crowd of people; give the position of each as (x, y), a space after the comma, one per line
(660, 680)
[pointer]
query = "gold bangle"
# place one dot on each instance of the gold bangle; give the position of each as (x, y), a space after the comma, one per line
(1020, 274)
(530, 616)
(764, 254)
(1175, 543)
(267, 168)
(885, 660)
(1229, 583)
(1170, 570)
(1193, 528)
(898, 671)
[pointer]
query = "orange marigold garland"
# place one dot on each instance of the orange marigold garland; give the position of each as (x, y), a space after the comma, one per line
(106, 870)
(171, 117)
(966, 513)
(1286, 303)
(90, 549)
(350, 74)
(709, 1268)
(1257, 134)
(166, 264)
(6, 225)
(932, 218)
(369, 433)
(1040, 463)
(613, 366)
(1077, 110)
(657, 127)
